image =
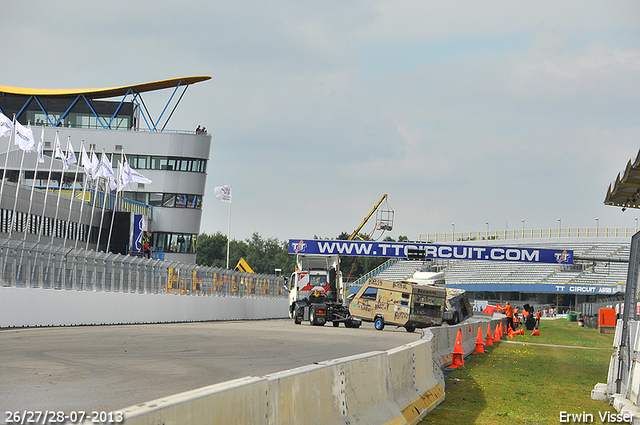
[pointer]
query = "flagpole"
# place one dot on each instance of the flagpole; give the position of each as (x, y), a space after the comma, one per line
(55, 218)
(15, 201)
(229, 231)
(84, 195)
(113, 216)
(33, 185)
(96, 180)
(46, 193)
(6, 157)
(104, 203)
(73, 194)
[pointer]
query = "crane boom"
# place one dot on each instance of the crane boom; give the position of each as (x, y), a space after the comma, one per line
(353, 235)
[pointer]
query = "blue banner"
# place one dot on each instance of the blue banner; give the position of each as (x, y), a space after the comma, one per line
(138, 232)
(446, 252)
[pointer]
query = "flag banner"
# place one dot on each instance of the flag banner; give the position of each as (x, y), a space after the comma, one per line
(41, 147)
(60, 154)
(223, 193)
(24, 138)
(136, 177)
(95, 165)
(71, 155)
(124, 175)
(86, 163)
(453, 252)
(6, 126)
(106, 170)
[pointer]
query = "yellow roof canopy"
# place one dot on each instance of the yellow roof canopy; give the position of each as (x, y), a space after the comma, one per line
(105, 93)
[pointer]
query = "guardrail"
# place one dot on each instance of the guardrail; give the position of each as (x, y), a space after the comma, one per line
(578, 232)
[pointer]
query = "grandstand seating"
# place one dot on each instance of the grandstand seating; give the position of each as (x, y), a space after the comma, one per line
(488, 272)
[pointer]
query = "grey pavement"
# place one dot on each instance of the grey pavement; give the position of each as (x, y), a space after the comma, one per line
(106, 368)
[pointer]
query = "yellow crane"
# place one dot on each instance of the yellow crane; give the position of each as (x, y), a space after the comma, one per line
(383, 222)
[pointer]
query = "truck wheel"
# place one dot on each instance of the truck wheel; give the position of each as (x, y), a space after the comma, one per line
(410, 328)
(312, 317)
(296, 318)
(336, 323)
(379, 323)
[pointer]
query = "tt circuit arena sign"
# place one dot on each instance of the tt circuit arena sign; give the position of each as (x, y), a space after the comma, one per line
(446, 252)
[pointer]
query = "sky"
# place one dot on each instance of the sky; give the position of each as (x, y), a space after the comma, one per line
(463, 112)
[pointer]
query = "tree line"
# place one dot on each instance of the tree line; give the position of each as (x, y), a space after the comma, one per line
(267, 255)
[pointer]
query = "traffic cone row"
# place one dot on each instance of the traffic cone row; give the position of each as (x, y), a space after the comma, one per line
(458, 353)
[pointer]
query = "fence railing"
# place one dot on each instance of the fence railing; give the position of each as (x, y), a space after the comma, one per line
(578, 232)
(70, 269)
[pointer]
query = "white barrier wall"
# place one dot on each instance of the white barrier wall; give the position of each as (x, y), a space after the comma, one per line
(399, 386)
(49, 307)
(627, 400)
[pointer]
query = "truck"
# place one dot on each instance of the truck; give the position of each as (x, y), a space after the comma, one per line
(457, 305)
(402, 303)
(316, 293)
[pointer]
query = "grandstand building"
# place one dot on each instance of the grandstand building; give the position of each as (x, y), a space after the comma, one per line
(114, 121)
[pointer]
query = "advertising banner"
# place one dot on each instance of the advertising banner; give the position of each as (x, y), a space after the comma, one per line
(435, 251)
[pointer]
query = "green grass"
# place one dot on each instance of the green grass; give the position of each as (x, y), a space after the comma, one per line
(528, 383)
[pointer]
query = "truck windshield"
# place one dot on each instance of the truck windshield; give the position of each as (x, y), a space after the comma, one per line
(318, 280)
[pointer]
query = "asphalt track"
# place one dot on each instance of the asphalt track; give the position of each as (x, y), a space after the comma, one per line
(106, 368)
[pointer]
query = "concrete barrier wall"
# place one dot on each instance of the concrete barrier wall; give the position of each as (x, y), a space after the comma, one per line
(626, 398)
(49, 307)
(399, 386)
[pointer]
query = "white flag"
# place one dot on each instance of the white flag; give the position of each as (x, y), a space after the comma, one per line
(71, 155)
(106, 170)
(41, 147)
(24, 138)
(124, 175)
(6, 126)
(136, 177)
(95, 165)
(86, 163)
(60, 154)
(223, 193)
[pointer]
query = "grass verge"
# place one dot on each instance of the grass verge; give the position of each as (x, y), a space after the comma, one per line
(515, 383)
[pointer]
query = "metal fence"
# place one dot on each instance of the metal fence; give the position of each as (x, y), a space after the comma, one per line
(578, 232)
(37, 266)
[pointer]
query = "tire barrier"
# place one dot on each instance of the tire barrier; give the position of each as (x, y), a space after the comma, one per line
(398, 386)
(622, 389)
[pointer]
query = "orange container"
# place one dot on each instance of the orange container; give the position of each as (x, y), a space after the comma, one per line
(606, 320)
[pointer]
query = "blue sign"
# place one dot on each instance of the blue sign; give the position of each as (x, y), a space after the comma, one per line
(446, 252)
(138, 232)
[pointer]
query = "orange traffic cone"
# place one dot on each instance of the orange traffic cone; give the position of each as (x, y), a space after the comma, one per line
(496, 336)
(519, 332)
(511, 335)
(458, 353)
(489, 337)
(479, 343)
(501, 331)
(535, 332)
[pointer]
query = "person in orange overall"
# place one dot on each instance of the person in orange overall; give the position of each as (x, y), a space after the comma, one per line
(516, 319)
(538, 318)
(508, 310)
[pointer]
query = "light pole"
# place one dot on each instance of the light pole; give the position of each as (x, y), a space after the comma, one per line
(453, 231)
(636, 224)
(559, 226)
(522, 228)
(597, 226)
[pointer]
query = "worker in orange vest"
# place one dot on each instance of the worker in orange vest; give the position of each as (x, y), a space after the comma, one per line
(508, 310)
(538, 318)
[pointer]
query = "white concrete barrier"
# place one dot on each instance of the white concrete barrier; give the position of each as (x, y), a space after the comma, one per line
(21, 307)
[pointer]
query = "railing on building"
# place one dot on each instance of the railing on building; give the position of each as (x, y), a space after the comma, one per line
(578, 232)
(71, 269)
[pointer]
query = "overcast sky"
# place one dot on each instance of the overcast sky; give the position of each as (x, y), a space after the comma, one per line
(462, 112)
